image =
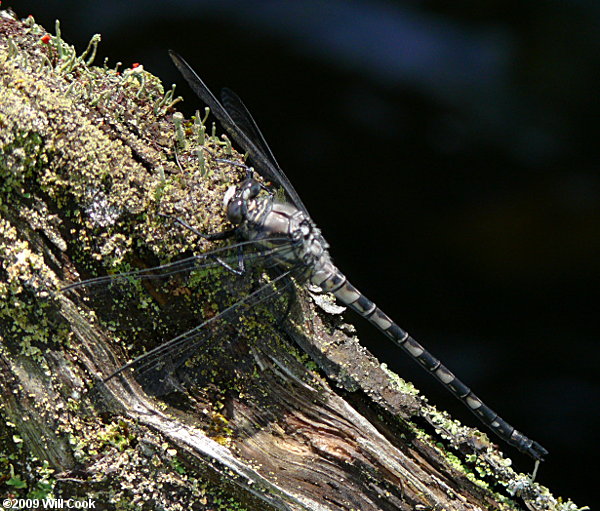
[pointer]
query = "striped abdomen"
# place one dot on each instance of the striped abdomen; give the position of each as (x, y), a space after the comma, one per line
(330, 279)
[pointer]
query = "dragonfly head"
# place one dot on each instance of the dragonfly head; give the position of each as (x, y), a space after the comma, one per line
(237, 197)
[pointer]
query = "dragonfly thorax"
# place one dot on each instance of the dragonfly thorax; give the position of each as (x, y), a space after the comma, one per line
(275, 223)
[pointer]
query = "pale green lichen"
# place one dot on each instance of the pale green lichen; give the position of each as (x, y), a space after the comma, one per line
(398, 383)
(54, 110)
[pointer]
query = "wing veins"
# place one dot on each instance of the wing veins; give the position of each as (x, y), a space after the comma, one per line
(187, 264)
(146, 361)
(258, 151)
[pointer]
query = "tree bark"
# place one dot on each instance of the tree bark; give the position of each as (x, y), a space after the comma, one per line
(90, 160)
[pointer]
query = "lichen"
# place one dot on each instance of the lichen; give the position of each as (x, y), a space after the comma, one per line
(84, 158)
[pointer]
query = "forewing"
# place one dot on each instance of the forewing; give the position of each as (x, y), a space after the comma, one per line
(247, 134)
(203, 296)
(250, 252)
(246, 123)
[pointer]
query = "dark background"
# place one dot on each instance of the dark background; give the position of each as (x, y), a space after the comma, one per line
(449, 152)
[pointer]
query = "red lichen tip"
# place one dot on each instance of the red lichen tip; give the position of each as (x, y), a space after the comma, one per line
(46, 39)
(134, 65)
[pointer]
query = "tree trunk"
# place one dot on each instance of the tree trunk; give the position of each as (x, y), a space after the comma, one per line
(90, 160)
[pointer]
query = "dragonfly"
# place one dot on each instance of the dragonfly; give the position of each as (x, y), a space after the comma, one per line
(279, 236)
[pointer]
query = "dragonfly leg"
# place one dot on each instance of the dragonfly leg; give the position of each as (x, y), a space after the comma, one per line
(228, 233)
(215, 236)
(232, 163)
(241, 269)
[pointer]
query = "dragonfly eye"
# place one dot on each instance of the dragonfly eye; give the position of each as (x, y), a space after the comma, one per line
(236, 211)
(253, 189)
(250, 189)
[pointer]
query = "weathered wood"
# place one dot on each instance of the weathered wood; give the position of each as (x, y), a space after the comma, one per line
(90, 158)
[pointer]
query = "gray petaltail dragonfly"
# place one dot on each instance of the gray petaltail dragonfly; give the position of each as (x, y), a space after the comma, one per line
(281, 236)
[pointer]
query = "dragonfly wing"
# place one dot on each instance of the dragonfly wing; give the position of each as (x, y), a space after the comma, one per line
(252, 141)
(252, 252)
(242, 118)
(205, 295)
(246, 123)
(167, 367)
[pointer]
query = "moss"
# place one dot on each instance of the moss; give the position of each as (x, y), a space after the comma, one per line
(21, 474)
(95, 189)
(53, 143)
(399, 383)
